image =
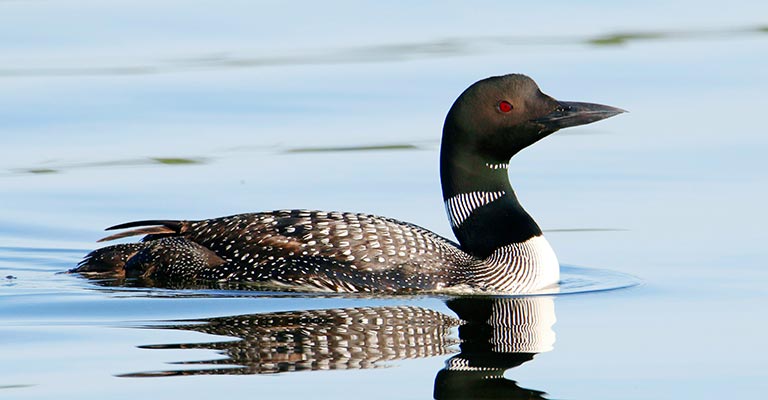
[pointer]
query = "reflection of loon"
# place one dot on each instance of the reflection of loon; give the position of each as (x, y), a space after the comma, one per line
(502, 249)
(350, 338)
(495, 335)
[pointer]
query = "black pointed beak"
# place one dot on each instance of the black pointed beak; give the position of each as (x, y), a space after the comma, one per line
(569, 113)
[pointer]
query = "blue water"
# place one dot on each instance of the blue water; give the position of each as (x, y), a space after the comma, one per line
(124, 111)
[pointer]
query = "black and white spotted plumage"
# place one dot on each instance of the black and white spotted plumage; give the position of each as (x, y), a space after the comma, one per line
(308, 250)
(316, 251)
(327, 251)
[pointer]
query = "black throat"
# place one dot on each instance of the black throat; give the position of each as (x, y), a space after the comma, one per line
(484, 211)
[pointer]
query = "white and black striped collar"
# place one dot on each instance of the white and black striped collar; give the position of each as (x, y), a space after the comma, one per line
(460, 207)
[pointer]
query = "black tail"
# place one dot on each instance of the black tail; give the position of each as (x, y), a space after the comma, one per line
(108, 259)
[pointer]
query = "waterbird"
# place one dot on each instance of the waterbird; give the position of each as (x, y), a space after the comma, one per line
(500, 247)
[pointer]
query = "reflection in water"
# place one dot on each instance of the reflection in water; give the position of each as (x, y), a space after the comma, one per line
(350, 338)
(212, 155)
(52, 169)
(495, 334)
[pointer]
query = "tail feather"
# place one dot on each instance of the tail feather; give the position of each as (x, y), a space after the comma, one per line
(110, 259)
(147, 227)
(168, 223)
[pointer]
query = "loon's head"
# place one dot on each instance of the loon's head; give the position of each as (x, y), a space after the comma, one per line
(499, 116)
(488, 124)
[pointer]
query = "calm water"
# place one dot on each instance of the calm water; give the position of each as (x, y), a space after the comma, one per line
(133, 110)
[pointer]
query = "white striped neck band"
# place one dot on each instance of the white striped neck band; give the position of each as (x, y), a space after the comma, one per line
(460, 207)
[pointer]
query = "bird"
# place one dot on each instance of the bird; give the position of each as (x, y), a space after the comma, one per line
(500, 249)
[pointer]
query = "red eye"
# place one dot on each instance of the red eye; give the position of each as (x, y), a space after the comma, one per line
(505, 106)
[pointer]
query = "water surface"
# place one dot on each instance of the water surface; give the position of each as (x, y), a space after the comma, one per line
(118, 112)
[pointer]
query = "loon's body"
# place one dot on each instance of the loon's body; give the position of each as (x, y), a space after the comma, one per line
(501, 249)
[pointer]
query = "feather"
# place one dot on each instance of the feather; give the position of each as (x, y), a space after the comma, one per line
(147, 227)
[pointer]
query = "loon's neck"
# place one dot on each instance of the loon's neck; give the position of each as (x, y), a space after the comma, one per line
(482, 207)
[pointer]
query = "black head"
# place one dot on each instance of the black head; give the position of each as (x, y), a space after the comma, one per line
(499, 116)
(488, 124)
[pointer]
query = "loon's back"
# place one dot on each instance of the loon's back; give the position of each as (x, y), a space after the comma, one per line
(307, 250)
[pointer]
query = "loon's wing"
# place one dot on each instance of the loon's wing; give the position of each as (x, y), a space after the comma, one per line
(326, 250)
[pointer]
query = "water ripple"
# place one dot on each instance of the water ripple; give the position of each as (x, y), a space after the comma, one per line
(392, 52)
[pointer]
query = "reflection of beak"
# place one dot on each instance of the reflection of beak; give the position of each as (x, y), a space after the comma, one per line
(570, 113)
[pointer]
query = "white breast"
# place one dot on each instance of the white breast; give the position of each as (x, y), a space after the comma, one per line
(521, 267)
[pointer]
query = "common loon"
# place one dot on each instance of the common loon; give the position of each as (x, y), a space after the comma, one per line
(501, 248)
